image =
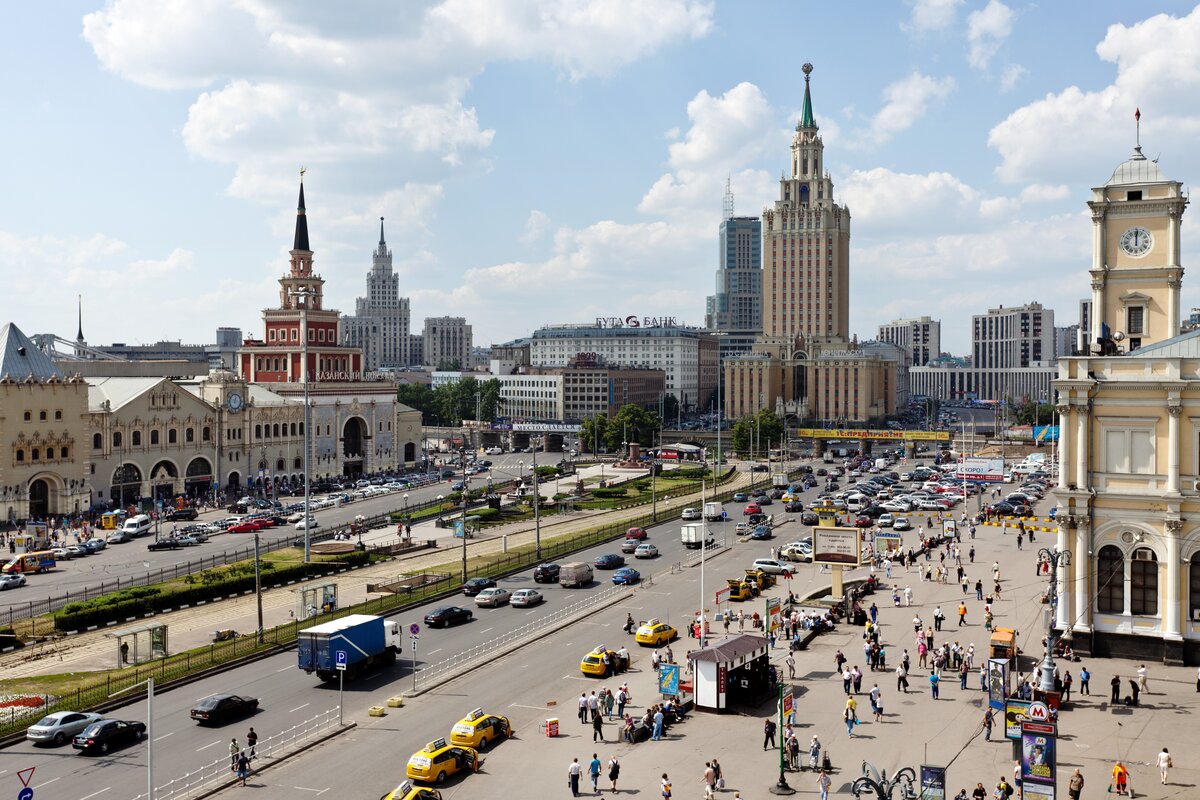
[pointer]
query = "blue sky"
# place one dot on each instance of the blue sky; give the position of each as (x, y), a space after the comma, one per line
(544, 162)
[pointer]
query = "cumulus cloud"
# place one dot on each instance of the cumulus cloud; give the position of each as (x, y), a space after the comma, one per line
(1011, 76)
(881, 199)
(535, 227)
(1045, 193)
(904, 102)
(987, 30)
(931, 15)
(1076, 132)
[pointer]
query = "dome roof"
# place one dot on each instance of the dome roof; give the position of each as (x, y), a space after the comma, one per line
(1138, 169)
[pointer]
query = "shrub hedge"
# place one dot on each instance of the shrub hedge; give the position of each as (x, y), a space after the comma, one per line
(612, 491)
(141, 600)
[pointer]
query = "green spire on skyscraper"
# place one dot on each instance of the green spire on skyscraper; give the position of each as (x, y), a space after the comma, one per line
(806, 118)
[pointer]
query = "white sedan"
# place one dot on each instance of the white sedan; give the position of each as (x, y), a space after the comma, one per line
(12, 581)
(494, 596)
(771, 565)
(691, 513)
(525, 597)
(308, 525)
(645, 550)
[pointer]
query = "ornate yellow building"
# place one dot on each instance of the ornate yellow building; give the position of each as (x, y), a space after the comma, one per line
(1129, 447)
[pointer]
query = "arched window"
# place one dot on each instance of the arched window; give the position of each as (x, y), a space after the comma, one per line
(172, 436)
(153, 438)
(1194, 586)
(1143, 582)
(96, 441)
(35, 454)
(301, 428)
(275, 430)
(293, 429)
(1110, 581)
(137, 438)
(63, 453)
(116, 438)
(279, 467)
(20, 456)
(258, 431)
(298, 463)
(189, 435)
(205, 433)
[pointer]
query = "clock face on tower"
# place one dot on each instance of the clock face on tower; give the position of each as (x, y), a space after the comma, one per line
(235, 401)
(1137, 241)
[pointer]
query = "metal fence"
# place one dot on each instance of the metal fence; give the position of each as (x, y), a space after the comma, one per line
(273, 747)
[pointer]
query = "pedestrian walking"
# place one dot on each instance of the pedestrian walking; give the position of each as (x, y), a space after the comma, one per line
(1075, 784)
(1120, 776)
(1164, 764)
(768, 734)
(614, 772)
(622, 698)
(938, 616)
(234, 751)
(856, 674)
(243, 768)
(847, 679)
(583, 708)
(962, 614)
(879, 707)
(908, 595)
(594, 773)
(989, 720)
(978, 589)
(933, 685)
(1084, 678)
(609, 702)
(901, 679)
(666, 787)
(720, 775)
(252, 743)
(573, 773)
(1066, 690)
(962, 675)
(823, 783)
(594, 706)
(597, 728)
(848, 718)
(791, 665)
(1141, 677)
(710, 781)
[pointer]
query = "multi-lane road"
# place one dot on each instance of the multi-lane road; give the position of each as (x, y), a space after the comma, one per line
(515, 684)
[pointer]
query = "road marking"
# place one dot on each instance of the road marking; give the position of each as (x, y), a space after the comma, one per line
(534, 611)
(213, 744)
(485, 630)
(535, 708)
(306, 789)
(93, 794)
(647, 591)
(165, 735)
(297, 708)
(586, 622)
(284, 669)
(432, 652)
(47, 783)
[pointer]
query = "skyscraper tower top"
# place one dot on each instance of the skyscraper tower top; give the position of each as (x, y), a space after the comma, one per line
(806, 116)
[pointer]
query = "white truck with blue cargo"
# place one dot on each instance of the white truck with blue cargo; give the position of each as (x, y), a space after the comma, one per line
(367, 641)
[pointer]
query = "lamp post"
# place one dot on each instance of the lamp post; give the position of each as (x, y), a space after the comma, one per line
(149, 682)
(537, 503)
(305, 293)
(1054, 558)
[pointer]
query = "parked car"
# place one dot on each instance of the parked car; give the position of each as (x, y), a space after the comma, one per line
(220, 708)
(525, 597)
(901, 524)
(107, 734)
(60, 726)
(771, 565)
(176, 514)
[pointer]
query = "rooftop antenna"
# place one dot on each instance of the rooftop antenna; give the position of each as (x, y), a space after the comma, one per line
(727, 202)
(1137, 123)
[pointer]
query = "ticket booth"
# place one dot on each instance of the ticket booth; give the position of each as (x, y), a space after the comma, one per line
(731, 673)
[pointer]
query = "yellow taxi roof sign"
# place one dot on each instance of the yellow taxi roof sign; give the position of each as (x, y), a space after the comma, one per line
(653, 621)
(436, 744)
(600, 648)
(476, 714)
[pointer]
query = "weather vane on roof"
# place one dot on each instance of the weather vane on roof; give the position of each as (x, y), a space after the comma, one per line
(1137, 125)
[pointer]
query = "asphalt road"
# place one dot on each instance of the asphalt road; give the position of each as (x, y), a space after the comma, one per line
(132, 559)
(288, 695)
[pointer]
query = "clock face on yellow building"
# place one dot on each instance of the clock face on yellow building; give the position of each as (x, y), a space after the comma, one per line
(1136, 241)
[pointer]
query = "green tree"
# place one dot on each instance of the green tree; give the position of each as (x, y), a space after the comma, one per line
(670, 409)
(755, 433)
(1035, 413)
(417, 396)
(633, 424)
(489, 399)
(593, 434)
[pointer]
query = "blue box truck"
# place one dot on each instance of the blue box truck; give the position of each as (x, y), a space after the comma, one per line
(368, 642)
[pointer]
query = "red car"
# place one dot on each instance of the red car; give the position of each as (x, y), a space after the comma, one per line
(751, 509)
(245, 526)
(863, 521)
(264, 522)
(635, 533)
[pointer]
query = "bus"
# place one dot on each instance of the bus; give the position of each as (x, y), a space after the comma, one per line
(37, 561)
(111, 521)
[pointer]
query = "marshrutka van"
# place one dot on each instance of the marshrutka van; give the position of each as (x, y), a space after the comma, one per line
(138, 525)
(575, 574)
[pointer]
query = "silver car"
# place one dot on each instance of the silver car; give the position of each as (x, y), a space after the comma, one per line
(58, 728)
(525, 597)
(12, 581)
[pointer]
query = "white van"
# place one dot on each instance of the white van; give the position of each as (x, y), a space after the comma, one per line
(857, 502)
(138, 525)
(575, 575)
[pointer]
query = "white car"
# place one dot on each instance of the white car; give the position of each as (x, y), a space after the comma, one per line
(117, 537)
(61, 553)
(645, 550)
(885, 520)
(901, 524)
(12, 581)
(494, 596)
(59, 727)
(308, 525)
(494, 451)
(691, 513)
(797, 551)
(771, 565)
(525, 597)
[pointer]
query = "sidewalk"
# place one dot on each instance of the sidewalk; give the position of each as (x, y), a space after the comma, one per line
(193, 627)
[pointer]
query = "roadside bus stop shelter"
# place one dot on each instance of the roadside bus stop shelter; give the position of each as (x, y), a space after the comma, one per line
(729, 672)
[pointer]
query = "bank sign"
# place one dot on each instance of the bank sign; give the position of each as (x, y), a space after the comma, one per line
(634, 321)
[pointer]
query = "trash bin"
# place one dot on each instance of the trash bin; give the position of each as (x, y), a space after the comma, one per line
(552, 727)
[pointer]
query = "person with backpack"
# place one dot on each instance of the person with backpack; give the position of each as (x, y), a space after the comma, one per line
(614, 772)
(1004, 790)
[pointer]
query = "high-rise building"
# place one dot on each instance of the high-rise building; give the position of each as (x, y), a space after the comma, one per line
(736, 309)
(805, 364)
(1010, 338)
(380, 323)
(447, 342)
(921, 337)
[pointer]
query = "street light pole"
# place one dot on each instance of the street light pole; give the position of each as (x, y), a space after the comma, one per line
(258, 588)
(537, 502)
(149, 682)
(305, 293)
(1054, 558)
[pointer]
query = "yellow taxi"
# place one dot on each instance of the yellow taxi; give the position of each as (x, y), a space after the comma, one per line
(477, 729)
(406, 791)
(654, 633)
(593, 662)
(741, 589)
(439, 760)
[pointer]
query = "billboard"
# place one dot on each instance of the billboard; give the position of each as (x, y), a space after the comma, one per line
(837, 546)
(860, 433)
(997, 682)
(986, 470)
(933, 782)
(1016, 712)
(1038, 753)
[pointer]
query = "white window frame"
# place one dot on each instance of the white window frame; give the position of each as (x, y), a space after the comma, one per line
(1128, 426)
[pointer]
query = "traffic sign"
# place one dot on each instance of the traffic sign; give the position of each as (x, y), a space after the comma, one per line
(414, 629)
(339, 658)
(25, 794)
(25, 775)
(414, 644)
(1038, 712)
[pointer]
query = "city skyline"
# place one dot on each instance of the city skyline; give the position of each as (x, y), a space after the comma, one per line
(587, 165)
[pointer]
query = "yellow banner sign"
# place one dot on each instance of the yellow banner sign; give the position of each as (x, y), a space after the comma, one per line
(852, 433)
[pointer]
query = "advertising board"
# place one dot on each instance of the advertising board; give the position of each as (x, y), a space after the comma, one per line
(1039, 745)
(981, 470)
(837, 546)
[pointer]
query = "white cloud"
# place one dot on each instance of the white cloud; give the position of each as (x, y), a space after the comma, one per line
(1076, 132)
(987, 29)
(996, 208)
(1010, 77)
(535, 227)
(931, 15)
(882, 200)
(1045, 193)
(905, 102)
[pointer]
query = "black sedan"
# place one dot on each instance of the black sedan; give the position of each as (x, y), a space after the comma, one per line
(609, 561)
(794, 507)
(444, 616)
(546, 573)
(169, 543)
(108, 734)
(476, 585)
(219, 708)
(177, 514)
